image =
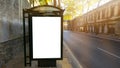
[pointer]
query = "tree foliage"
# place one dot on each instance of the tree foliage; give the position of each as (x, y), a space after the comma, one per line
(72, 8)
(43, 2)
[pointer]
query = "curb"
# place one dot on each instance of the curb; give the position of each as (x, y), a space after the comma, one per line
(105, 38)
(118, 40)
(73, 58)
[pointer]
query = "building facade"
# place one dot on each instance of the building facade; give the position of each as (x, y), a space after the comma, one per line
(104, 19)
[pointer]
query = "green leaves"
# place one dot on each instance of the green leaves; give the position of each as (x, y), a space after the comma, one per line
(43, 2)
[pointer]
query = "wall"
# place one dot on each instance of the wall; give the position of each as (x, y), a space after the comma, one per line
(11, 29)
(11, 18)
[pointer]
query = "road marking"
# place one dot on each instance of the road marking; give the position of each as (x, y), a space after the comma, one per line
(109, 53)
(77, 62)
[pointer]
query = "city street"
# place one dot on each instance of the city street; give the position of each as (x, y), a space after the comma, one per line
(93, 52)
(59, 33)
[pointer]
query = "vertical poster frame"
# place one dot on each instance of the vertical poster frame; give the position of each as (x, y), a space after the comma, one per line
(31, 36)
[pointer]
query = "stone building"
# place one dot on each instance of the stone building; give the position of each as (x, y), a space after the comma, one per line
(104, 19)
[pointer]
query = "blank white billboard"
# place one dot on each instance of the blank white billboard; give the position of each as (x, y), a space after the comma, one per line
(46, 35)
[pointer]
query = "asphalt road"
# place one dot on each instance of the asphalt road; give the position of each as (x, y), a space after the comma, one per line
(93, 52)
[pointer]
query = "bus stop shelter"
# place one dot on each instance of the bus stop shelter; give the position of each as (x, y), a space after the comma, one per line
(43, 35)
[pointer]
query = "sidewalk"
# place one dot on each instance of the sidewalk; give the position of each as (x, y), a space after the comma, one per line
(18, 62)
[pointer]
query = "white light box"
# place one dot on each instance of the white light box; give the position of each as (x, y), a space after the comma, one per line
(46, 37)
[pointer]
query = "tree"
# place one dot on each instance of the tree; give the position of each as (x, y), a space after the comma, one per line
(59, 5)
(73, 8)
(55, 2)
(46, 2)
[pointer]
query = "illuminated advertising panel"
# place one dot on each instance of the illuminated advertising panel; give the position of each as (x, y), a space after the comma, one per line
(46, 37)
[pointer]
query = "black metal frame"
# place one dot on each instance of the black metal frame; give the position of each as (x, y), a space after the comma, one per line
(25, 38)
(31, 36)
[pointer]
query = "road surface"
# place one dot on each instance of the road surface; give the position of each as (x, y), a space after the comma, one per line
(93, 52)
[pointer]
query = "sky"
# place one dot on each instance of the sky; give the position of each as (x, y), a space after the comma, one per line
(95, 5)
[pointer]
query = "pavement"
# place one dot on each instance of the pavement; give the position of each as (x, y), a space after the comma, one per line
(18, 62)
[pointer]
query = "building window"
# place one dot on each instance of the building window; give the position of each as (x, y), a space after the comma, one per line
(106, 12)
(112, 11)
(98, 15)
(103, 14)
(118, 9)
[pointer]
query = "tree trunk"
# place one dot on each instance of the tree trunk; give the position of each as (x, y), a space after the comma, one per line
(55, 3)
(46, 2)
(59, 4)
